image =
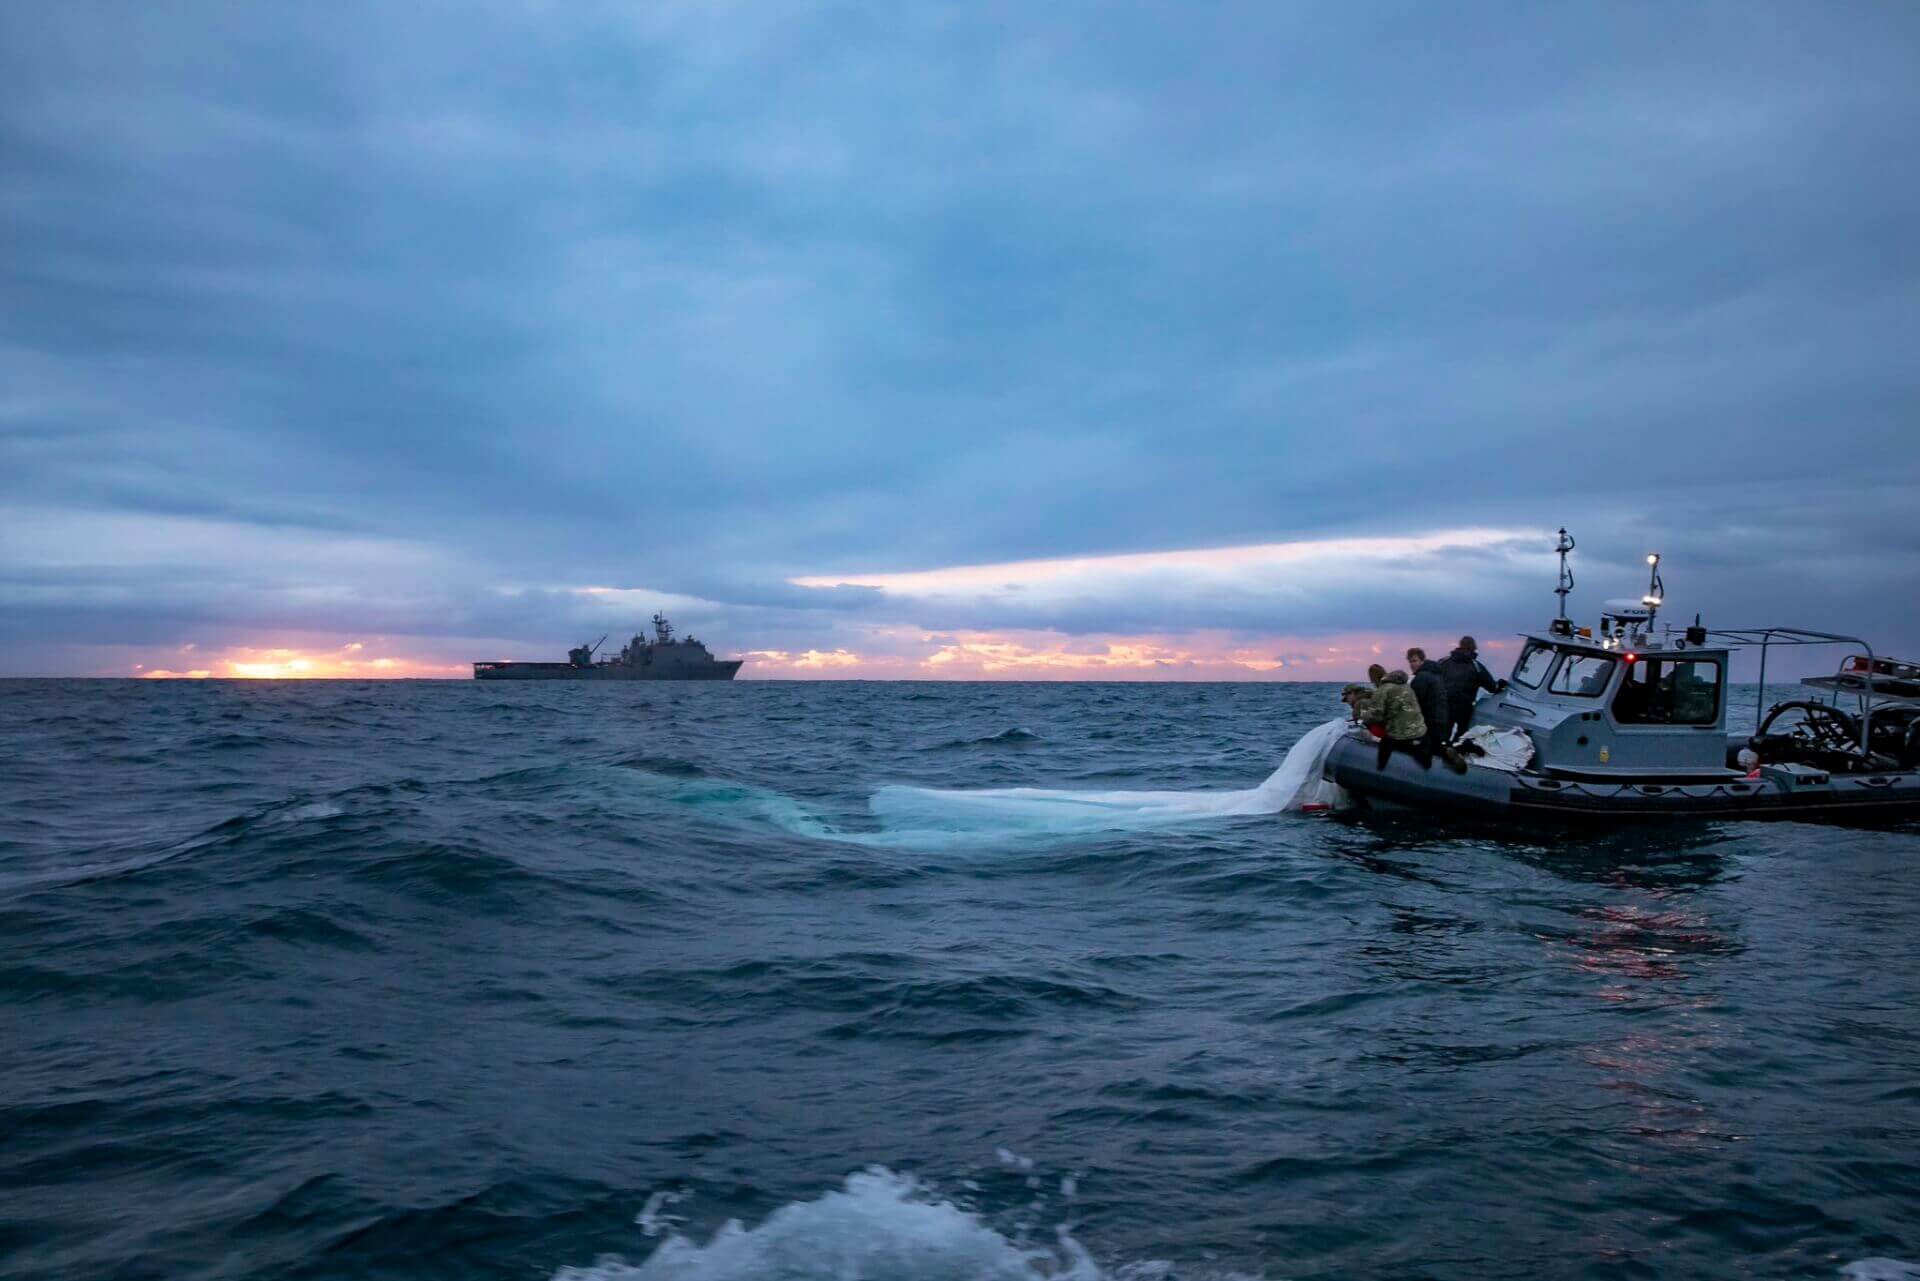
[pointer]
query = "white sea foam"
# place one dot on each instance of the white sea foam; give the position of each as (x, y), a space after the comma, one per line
(924, 812)
(880, 1226)
(310, 812)
(653, 1219)
(1881, 1270)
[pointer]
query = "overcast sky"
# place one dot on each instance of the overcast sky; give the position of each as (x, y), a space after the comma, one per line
(1272, 332)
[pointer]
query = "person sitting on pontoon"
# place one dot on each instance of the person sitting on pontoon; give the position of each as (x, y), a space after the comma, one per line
(1397, 712)
(1431, 692)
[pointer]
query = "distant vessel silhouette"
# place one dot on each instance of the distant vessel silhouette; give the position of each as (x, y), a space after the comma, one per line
(664, 658)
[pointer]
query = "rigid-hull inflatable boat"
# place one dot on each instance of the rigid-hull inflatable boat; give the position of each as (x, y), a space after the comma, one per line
(1631, 723)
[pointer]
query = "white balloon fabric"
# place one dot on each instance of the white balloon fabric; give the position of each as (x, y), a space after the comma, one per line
(1298, 784)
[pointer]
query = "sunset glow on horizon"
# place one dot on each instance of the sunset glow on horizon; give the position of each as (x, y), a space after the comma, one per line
(1054, 656)
(894, 653)
(344, 663)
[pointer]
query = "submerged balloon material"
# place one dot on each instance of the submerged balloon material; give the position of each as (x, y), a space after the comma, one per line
(925, 813)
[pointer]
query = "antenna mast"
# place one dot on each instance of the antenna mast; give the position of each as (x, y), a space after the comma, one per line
(1656, 590)
(1564, 546)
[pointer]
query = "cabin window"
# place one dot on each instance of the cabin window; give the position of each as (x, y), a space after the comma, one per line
(1668, 691)
(1533, 664)
(1583, 675)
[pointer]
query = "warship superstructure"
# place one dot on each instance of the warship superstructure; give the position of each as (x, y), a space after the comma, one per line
(666, 657)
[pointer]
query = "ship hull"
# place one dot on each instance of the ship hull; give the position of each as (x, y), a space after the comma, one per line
(719, 670)
(1403, 784)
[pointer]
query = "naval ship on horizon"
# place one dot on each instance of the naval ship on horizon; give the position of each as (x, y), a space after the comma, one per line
(664, 658)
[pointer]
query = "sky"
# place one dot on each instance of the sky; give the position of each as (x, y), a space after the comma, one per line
(1116, 341)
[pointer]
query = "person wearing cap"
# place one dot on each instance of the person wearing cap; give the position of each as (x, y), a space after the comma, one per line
(1465, 676)
(1393, 708)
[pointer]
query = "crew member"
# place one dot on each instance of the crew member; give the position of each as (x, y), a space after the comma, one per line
(1431, 693)
(1397, 712)
(1464, 676)
(1357, 697)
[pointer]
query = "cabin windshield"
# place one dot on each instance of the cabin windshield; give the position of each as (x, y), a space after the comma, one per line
(1582, 675)
(1533, 664)
(1667, 691)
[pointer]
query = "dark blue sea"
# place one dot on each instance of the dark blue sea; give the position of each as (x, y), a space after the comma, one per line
(454, 980)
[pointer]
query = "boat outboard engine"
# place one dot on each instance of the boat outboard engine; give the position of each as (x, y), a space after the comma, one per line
(1894, 732)
(1829, 737)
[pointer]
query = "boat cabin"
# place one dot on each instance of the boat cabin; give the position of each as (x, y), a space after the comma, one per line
(1599, 708)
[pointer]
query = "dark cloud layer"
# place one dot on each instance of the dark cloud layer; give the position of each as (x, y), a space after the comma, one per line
(407, 319)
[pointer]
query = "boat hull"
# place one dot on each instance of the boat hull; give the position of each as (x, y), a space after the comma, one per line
(1487, 792)
(718, 670)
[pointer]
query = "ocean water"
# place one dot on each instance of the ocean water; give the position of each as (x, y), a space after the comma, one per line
(448, 980)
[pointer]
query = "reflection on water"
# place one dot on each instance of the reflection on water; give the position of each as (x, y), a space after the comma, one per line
(1648, 856)
(1637, 930)
(1675, 856)
(1632, 941)
(1650, 953)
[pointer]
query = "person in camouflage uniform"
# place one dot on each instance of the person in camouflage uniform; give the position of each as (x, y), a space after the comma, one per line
(1359, 700)
(1396, 711)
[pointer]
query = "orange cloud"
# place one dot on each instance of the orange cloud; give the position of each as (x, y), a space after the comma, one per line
(1045, 655)
(812, 662)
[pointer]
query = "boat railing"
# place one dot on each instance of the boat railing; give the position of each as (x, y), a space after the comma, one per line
(1764, 638)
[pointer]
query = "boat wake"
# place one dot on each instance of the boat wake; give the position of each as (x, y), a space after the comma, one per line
(878, 1224)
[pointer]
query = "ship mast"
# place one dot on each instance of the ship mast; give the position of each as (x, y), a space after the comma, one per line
(1562, 625)
(1565, 545)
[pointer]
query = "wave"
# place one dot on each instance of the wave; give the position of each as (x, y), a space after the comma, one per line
(877, 1225)
(884, 1226)
(1014, 737)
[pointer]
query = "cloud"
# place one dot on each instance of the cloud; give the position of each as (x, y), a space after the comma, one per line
(396, 321)
(1267, 585)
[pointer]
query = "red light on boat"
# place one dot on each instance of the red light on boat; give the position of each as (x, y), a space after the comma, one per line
(1631, 657)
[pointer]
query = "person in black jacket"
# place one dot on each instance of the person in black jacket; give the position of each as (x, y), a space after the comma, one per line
(1464, 676)
(1431, 691)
